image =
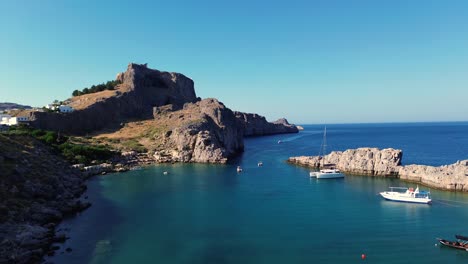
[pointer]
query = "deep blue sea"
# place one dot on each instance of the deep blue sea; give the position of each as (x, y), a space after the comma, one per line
(275, 213)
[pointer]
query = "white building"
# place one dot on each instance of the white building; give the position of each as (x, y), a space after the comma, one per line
(11, 121)
(65, 109)
(4, 119)
(51, 107)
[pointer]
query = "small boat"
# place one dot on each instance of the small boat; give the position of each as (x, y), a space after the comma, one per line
(461, 243)
(239, 169)
(165, 173)
(260, 164)
(408, 195)
(279, 141)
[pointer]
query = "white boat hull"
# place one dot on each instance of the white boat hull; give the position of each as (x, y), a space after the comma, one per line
(399, 197)
(333, 175)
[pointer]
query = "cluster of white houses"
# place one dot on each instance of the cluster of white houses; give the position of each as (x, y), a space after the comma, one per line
(9, 120)
(60, 108)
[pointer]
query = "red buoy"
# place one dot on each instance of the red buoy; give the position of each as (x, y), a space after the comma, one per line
(363, 256)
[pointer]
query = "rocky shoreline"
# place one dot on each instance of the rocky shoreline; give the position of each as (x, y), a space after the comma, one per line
(387, 163)
(37, 189)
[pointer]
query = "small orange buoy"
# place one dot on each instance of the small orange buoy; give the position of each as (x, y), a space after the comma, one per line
(363, 256)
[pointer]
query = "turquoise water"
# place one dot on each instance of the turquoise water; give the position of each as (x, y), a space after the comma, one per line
(275, 213)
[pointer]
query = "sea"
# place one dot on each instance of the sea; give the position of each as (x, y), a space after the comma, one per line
(199, 213)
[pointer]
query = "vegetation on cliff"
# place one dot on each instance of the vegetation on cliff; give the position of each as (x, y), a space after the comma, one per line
(68, 147)
(109, 85)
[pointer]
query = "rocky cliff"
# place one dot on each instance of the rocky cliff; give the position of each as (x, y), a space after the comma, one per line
(37, 189)
(257, 125)
(208, 133)
(366, 161)
(159, 112)
(386, 162)
(140, 90)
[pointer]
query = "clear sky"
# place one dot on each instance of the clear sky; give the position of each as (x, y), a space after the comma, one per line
(309, 61)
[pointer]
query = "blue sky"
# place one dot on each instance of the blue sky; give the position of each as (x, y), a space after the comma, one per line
(308, 61)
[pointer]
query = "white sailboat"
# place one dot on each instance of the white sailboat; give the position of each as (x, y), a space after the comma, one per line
(328, 171)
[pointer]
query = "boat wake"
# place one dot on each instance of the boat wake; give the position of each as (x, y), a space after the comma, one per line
(451, 203)
(291, 138)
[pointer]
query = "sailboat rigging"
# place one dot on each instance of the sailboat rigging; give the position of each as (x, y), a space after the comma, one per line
(328, 171)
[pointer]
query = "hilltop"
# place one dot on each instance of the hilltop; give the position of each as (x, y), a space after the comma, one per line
(8, 106)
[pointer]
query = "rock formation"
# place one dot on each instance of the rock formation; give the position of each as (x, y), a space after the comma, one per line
(140, 90)
(452, 177)
(208, 133)
(257, 125)
(386, 162)
(194, 130)
(366, 161)
(37, 189)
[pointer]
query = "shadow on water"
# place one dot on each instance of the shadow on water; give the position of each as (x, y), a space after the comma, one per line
(90, 240)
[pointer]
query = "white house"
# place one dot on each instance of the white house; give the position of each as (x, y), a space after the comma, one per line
(4, 119)
(11, 121)
(52, 107)
(65, 109)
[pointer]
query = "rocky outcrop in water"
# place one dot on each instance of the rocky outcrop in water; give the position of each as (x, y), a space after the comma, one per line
(452, 177)
(386, 162)
(366, 161)
(208, 133)
(37, 189)
(257, 125)
(140, 90)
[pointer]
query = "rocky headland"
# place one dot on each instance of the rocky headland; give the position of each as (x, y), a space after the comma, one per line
(257, 125)
(387, 163)
(38, 188)
(158, 113)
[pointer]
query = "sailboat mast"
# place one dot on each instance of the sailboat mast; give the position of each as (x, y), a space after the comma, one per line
(325, 141)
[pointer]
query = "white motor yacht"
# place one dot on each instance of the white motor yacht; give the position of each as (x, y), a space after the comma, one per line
(407, 195)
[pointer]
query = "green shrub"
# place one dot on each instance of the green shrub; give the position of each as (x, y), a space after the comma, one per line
(50, 137)
(109, 85)
(78, 153)
(134, 145)
(38, 133)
